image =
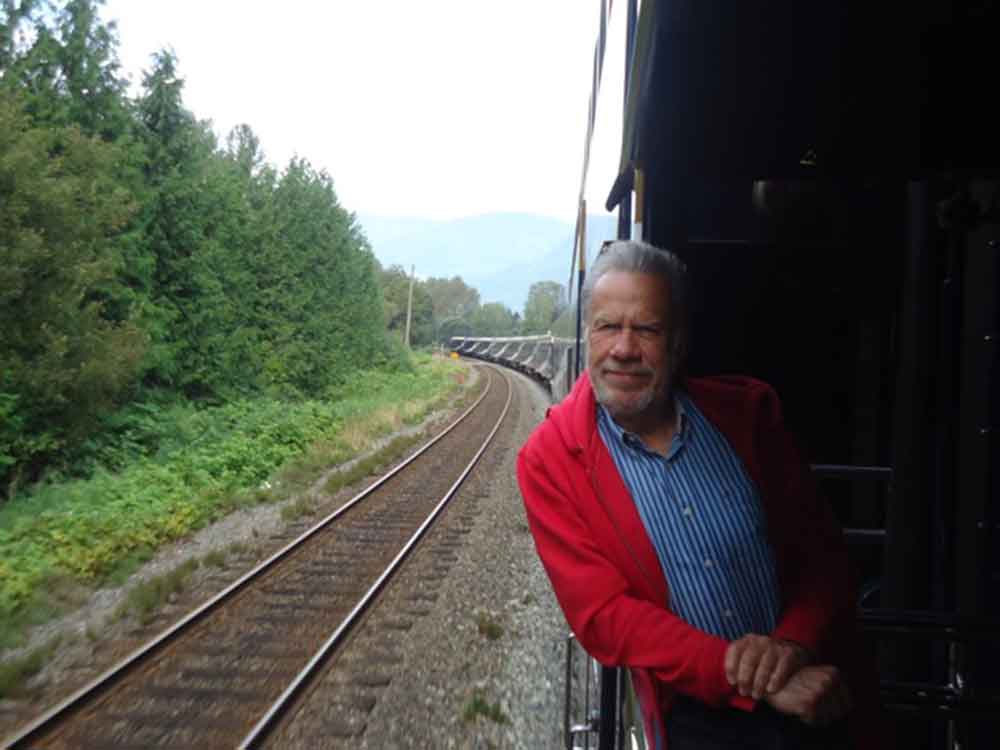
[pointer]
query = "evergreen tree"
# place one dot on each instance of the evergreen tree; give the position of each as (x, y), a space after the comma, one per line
(69, 73)
(62, 363)
(171, 266)
(139, 256)
(318, 297)
(15, 25)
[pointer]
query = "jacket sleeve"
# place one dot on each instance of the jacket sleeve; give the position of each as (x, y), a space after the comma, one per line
(817, 590)
(612, 622)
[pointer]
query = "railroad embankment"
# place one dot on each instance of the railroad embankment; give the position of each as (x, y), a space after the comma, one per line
(482, 667)
(201, 489)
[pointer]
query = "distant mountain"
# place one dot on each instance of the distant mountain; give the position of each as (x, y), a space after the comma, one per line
(501, 255)
(381, 229)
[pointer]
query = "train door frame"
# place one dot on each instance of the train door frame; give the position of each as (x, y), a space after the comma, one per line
(956, 302)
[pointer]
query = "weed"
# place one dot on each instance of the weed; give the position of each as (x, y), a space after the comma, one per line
(145, 599)
(528, 599)
(263, 495)
(479, 706)
(367, 466)
(240, 548)
(126, 566)
(13, 674)
(488, 626)
(299, 473)
(40, 607)
(216, 559)
(298, 508)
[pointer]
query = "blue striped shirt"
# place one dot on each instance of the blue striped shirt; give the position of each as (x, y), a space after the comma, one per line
(704, 517)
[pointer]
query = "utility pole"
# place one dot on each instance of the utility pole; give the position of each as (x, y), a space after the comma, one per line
(409, 306)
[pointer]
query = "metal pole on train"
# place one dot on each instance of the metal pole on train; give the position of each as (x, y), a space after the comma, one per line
(611, 733)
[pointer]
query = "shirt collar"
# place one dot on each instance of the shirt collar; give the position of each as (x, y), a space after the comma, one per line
(681, 427)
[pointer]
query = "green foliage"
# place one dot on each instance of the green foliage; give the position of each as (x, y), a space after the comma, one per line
(318, 294)
(488, 627)
(565, 325)
(13, 673)
(479, 706)
(395, 284)
(68, 71)
(452, 298)
(11, 424)
(190, 466)
(64, 362)
(369, 465)
(495, 319)
(546, 302)
(454, 327)
(298, 508)
(141, 257)
(215, 559)
(455, 304)
(144, 600)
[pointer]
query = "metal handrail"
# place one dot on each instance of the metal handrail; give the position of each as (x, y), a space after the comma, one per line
(956, 701)
(947, 626)
(847, 471)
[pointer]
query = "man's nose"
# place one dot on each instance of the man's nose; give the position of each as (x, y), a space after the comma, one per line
(626, 345)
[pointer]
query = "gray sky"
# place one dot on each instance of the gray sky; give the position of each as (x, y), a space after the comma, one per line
(436, 109)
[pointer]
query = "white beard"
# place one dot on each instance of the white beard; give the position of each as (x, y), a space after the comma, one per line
(635, 406)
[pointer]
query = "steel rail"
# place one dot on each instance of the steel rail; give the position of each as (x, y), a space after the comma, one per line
(46, 720)
(285, 701)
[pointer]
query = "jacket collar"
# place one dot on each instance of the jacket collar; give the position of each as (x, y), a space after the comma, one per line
(576, 419)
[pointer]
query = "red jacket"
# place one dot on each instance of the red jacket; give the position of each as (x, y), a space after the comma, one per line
(605, 571)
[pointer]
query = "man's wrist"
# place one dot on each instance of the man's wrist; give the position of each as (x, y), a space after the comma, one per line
(805, 655)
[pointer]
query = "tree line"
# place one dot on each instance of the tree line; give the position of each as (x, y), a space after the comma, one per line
(442, 308)
(144, 260)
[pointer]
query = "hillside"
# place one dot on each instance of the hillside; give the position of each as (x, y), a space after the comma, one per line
(501, 254)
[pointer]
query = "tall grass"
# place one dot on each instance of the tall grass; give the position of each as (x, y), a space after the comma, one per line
(207, 462)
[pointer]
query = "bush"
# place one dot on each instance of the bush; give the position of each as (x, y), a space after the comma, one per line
(189, 466)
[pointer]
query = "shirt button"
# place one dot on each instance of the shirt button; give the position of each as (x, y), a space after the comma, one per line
(709, 563)
(727, 613)
(687, 511)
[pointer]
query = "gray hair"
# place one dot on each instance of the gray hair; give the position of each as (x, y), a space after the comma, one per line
(631, 256)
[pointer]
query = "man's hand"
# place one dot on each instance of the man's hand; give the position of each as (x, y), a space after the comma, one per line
(757, 664)
(816, 695)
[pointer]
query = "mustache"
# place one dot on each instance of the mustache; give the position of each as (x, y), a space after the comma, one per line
(627, 370)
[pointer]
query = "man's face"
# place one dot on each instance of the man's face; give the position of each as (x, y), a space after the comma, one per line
(629, 335)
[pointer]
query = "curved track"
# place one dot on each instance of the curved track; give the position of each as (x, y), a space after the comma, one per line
(227, 674)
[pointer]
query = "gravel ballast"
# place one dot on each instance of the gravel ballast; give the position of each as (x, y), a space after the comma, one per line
(450, 663)
(449, 666)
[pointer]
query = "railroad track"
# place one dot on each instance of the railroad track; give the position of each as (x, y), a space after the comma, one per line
(229, 674)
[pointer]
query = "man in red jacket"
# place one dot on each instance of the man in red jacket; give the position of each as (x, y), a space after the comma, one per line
(683, 534)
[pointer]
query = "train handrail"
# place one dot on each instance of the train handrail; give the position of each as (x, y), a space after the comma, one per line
(956, 700)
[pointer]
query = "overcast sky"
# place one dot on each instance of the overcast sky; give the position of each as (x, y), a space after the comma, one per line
(434, 109)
